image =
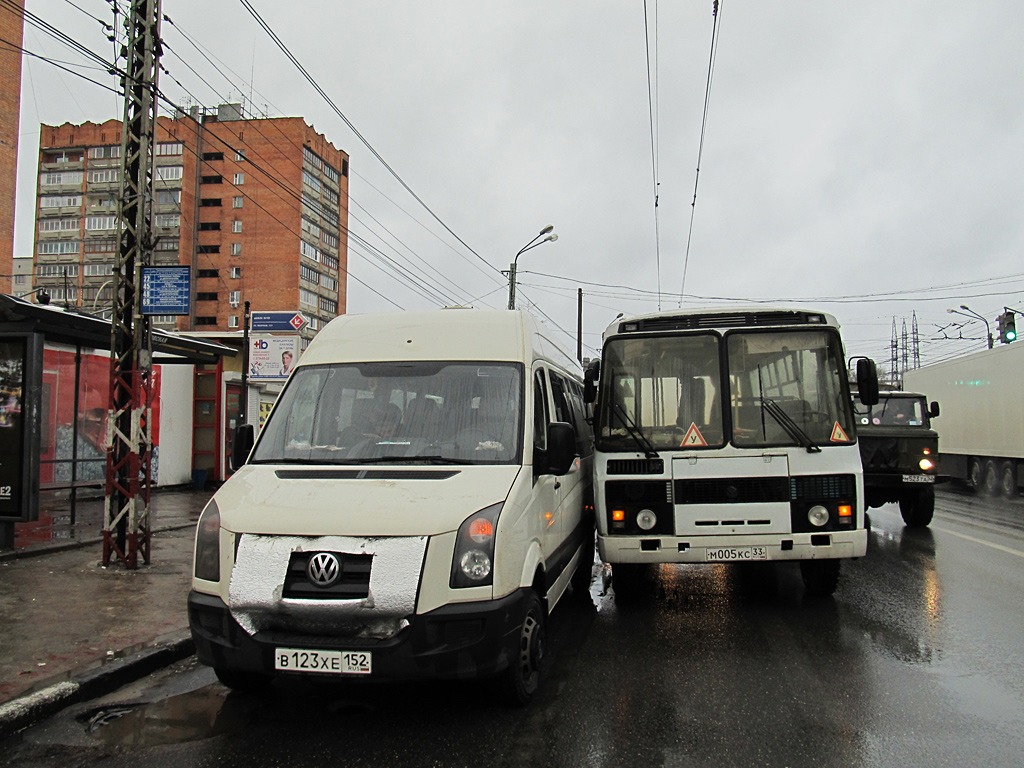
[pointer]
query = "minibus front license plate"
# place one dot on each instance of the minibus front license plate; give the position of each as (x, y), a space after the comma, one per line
(734, 554)
(331, 662)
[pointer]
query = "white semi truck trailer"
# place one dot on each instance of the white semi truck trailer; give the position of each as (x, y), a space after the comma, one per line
(981, 432)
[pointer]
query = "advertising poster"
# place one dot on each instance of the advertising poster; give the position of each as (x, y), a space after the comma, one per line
(12, 425)
(271, 358)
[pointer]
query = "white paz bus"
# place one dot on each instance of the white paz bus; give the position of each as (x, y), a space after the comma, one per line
(727, 436)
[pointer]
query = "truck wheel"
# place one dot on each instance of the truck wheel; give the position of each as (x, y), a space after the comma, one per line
(991, 483)
(917, 509)
(1008, 480)
(242, 681)
(975, 473)
(821, 577)
(520, 682)
(630, 579)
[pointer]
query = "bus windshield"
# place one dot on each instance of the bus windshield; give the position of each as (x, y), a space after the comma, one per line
(700, 391)
(416, 413)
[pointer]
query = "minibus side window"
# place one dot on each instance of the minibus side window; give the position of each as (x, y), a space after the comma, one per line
(540, 412)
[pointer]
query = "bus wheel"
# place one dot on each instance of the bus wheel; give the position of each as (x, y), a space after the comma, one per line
(629, 579)
(1008, 480)
(917, 509)
(821, 577)
(520, 682)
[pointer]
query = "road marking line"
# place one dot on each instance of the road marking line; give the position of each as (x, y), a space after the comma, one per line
(1000, 547)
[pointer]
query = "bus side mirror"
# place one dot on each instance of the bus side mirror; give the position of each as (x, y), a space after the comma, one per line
(590, 378)
(245, 437)
(933, 409)
(867, 381)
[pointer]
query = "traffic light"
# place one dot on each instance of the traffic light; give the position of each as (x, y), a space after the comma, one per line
(1007, 327)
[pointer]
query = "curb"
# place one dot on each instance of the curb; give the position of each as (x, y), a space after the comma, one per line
(20, 713)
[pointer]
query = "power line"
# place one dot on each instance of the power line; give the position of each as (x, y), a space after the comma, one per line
(652, 109)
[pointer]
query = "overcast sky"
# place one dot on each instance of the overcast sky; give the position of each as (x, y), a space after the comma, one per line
(862, 158)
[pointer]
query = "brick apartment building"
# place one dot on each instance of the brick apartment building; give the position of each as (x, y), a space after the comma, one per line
(258, 208)
(11, 28)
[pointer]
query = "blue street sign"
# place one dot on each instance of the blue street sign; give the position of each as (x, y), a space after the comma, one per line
(166, 290)
(275, 322)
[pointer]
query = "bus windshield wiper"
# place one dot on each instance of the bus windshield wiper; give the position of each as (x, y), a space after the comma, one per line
(634, 431)
(791, 428)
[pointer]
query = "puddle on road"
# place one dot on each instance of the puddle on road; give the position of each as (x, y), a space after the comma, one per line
(201, 714)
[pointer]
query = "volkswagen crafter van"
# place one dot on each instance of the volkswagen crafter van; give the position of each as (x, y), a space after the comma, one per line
(417, 503)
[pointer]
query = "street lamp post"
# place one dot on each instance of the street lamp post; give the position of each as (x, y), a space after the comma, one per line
(970, 312)
(512, 267)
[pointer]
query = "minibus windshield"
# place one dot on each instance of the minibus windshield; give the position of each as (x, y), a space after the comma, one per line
(410, 412)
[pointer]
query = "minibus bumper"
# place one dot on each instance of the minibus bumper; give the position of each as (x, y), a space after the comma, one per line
(457, 641)
(723, 549)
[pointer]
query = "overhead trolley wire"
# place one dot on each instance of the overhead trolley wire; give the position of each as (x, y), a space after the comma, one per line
(652, 109)
(715, 31)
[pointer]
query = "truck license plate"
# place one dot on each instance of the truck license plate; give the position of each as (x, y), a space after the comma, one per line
(919, 478)
(331, 662)
(734, 554)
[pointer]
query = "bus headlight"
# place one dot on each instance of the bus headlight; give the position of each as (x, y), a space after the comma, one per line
(473, 559)
(646, 519)
(207, 557)
(926, 464)
(817, 516)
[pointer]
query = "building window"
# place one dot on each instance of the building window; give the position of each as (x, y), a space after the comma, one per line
(308, 297)
(58, 247)
(329, 239)
(328, 282)
(209, 226)
(239, 179)
(236, 249)
(234, 298)
(206, 296)
(239, 155)
(330, 261)
(60, 201)
(166, 244)
(236, 272)
(60, 294)
(312, 157)
(331, 173)
(93, 223)
(212, 179)
(96, 270)
(208, 273)
(344, 167)
(232, 321)
(169, 172)
(164, 319)
(62, 178)
(309, 274)
(205, 320)
(59, 225)
(236, 202)
(101, 246)
(170, 148)
(105, 176)
(236, 226)
(213, 155)
(209, 202)
(168, 196)
(311, 181)
(20, 279)
(209, 249)
(57, 270)
(309, 251)
(328, 305)
(99, 153)
(166, 220)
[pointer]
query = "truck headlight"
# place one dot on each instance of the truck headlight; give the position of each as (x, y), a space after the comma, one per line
(473, 559)
(207, 558)
(646, 519)
(817, 516)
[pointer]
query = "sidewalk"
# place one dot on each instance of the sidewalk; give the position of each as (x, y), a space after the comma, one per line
(67, 623)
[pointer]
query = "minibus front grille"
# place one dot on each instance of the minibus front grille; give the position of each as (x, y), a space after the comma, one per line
(635, 467)
(366, 474)
(352, 582)
(732, 490)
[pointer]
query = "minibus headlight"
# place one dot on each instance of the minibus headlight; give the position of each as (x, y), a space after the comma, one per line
(817, 516)
(646, 519)
(473, 559)
(926, 464)
(207, 565)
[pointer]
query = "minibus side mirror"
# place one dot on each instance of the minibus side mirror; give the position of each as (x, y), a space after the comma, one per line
(867, 381)
(245, 437)
(561, 447)
(933, 409)
(590, 379)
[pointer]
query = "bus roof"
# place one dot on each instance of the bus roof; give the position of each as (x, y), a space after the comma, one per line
(721, 318)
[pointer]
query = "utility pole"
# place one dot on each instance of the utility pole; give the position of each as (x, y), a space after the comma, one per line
(126, 524)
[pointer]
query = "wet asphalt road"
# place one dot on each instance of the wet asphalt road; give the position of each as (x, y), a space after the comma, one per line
(917, 661)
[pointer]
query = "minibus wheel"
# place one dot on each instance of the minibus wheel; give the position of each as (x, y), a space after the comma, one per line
(521, 680)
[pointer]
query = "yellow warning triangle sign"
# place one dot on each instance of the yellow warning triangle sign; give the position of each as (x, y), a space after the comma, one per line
(838, 436)
(693, 437)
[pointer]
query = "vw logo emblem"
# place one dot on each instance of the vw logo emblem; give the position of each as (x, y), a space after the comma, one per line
(323, 569)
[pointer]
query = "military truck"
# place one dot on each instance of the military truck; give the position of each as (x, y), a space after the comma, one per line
(899, 451)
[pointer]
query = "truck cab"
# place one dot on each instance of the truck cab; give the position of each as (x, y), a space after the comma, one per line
(899, 451)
